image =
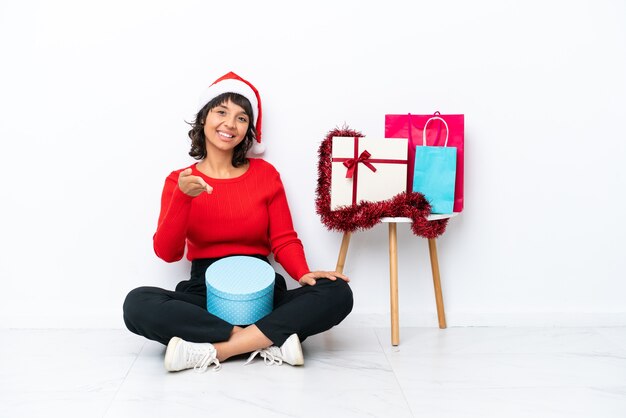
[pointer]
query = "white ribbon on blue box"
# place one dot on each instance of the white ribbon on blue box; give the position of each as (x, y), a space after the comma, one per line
(240, 289)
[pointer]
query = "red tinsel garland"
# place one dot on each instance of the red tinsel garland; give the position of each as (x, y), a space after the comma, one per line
(365, 215)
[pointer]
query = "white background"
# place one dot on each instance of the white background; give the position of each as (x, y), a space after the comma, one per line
(94, 98)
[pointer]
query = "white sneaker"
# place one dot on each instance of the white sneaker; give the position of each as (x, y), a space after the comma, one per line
(181, 355)
(290, 352)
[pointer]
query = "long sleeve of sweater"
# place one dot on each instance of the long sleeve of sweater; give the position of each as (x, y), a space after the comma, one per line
(286, 245)
(170, 237)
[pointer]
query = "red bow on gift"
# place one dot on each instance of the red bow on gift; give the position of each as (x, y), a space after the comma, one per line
(352, 162)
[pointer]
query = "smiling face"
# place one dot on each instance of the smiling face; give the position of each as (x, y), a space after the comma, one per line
(225, 127)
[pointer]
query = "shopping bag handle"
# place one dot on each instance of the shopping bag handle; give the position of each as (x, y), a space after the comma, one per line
(426, 125)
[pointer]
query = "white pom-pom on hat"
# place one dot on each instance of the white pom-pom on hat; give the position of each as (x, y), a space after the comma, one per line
(257, 148)
(232, 83)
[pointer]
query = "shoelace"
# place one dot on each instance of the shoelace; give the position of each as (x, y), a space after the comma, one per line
(202, 359)
(271, 355)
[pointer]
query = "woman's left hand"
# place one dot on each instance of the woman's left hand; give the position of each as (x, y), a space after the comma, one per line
(309, 278)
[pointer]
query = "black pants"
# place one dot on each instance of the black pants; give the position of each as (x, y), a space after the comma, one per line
(160, 314)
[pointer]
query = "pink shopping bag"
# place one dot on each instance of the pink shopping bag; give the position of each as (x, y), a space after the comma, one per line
(412, 127)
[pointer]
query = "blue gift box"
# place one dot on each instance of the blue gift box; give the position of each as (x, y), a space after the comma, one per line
(240, 289)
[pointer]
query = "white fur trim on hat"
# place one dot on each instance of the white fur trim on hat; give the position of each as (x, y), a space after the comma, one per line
(230, 86)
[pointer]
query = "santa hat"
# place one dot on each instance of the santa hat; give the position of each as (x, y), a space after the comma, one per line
(232, 83)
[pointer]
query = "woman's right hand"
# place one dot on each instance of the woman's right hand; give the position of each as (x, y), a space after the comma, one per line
(192, 185)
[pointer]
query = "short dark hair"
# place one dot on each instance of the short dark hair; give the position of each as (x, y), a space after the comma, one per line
(196, 133)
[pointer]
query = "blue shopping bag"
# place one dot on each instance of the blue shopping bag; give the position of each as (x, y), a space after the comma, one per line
(435, 172)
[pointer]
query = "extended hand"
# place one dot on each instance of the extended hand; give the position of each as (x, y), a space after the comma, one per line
(192, 185)
(309, 278)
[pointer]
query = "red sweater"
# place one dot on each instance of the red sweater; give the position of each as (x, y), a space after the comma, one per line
(248, 214)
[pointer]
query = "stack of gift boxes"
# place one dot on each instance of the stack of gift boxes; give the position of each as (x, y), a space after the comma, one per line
(420, 153)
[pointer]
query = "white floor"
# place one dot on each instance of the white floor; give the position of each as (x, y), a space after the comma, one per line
(348, 372)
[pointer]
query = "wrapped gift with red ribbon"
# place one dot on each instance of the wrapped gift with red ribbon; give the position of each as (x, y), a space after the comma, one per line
(365, 169)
